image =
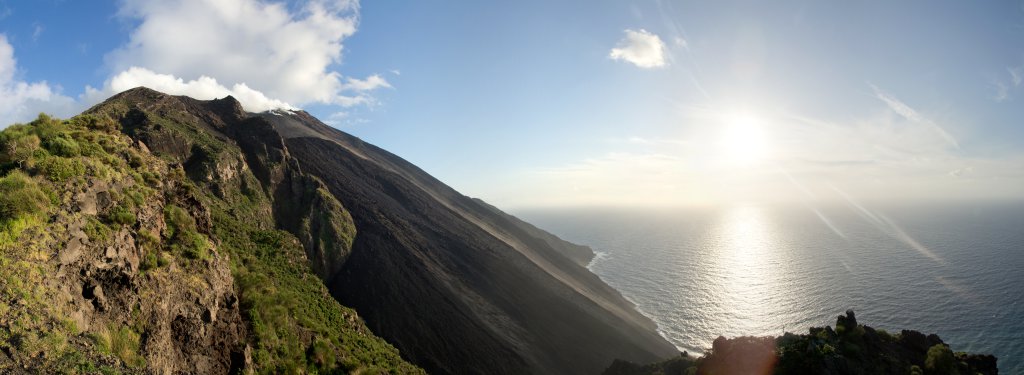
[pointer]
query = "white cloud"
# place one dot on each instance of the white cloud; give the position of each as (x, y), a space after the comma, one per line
(204, 88)
(641, 48)
(21, 101)
(261, 50)
(370, 83)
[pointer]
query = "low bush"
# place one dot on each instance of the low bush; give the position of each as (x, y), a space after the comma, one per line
(60, 169)
(122, 215)
(20, 195)
(940, 361)
(63, 146)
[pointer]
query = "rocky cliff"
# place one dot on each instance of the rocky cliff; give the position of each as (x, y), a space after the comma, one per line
(162, 234)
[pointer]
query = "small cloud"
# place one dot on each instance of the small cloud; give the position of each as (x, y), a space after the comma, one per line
(370, 83)
(960, 171)
(37, 31)
(1016, 74)
(396, 72)
(681, 42)
(641, 48)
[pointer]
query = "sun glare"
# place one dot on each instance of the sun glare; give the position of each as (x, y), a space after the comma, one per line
(743, 141)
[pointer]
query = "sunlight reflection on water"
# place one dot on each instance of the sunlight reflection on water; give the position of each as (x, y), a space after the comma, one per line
(755, 271)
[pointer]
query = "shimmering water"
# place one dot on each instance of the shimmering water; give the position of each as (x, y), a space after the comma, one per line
(956, 270)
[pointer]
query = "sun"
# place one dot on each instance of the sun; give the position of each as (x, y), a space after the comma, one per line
(743, 142)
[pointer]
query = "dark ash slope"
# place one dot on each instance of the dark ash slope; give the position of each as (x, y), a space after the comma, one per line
(458, 286)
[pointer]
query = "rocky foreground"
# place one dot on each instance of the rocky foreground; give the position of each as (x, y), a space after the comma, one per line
(850, 348)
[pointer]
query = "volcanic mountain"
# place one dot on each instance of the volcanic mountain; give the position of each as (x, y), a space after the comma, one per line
(168, 234)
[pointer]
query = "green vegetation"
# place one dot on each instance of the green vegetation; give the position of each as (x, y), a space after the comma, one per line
(298, 326)
(940, 361)
(181, 231)
(20, 196)
(294, 325)
(121, 215)
(42, 163)
(122, 342)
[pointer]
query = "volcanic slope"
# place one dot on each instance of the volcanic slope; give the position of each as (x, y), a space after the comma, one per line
(275, 210)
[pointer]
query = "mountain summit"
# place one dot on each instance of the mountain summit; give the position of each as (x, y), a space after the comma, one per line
(159, 233)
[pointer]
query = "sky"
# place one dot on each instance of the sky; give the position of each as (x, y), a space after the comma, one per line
(554, 103)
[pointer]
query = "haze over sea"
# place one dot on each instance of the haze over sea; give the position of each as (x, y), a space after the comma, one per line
(956, 270)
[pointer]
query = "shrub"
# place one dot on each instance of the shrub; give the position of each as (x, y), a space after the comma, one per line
(122, 215)
(181, 230)
(47, 127)
(194, 245)
(20, 195)
(177, 220)
(17, 147)
(122, 342)
(940, 360)
(94, 122)
(96, 230)
(62, 146)
(60, 170)
(150, 261)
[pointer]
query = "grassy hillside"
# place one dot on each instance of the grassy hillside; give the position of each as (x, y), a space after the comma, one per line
(116, 259)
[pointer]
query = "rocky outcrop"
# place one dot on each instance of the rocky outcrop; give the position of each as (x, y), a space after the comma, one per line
(850, 348)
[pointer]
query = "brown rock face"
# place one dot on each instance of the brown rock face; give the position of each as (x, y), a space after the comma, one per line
(105, 292)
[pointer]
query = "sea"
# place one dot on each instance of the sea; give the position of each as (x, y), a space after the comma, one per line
(954, 269)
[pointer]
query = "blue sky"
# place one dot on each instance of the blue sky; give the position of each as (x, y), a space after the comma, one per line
(562, 103)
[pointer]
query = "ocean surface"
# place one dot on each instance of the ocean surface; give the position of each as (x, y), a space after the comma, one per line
(956, 270)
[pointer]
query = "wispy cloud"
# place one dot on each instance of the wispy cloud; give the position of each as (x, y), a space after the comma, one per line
(1005, 84)
(911, 114)
(1016, 74)
(641, 48)
(37, 31)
